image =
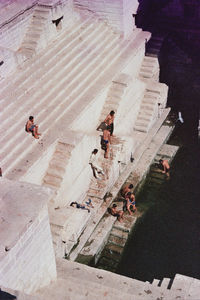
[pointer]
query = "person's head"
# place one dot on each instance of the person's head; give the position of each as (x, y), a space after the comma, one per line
(95, 151)
(112, 113)
(114, 205)
(161, 161)
(130, 186)
(31, 118)
(73, 204)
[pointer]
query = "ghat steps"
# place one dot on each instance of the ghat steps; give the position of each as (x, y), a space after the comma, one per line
(57, 89)
(156, 177)
(76, 279)
(32, 41)
(154, 45)
(89, 283)
(150, 108)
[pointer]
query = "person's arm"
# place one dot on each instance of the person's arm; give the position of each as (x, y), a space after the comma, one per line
(106, 119)
(28, 125)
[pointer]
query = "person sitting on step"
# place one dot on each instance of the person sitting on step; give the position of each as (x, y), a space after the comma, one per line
(31, 127)
(116, 213)
(130, 202)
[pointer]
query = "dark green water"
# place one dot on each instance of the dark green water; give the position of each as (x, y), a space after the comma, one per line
(165, 240)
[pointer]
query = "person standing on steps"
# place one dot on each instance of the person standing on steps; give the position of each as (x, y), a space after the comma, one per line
(130, 202)
(31, 127)
(106, 140)
(165, 166)
(93, 162)
(109, 120)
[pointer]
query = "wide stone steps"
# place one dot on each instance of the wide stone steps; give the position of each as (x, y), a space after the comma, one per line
(50, 67)
(156, 177)
(108, 52)
(137, 290)
(31, 42)
(49, 75)
(77, 289)
(63, 41)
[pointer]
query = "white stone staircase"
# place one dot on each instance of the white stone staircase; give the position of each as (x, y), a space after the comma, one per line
(50, 89)
(34, 39)
(149, 68)
(153, 102)
(148, 111)
(82, 282)
(56, 169)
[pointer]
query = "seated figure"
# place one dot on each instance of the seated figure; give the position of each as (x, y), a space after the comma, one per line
(130, 202)
(116, 213)
(31, 127)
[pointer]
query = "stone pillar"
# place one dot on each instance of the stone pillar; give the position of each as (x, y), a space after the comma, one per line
(27, 260)
(120, 14)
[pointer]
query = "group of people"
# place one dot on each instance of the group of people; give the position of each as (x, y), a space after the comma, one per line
(129, 203)
(107, 126)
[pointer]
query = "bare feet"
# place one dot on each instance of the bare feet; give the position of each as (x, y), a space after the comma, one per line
(36, 136)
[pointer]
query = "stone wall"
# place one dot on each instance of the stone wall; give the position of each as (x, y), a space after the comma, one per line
(27, 259)
(119, 13)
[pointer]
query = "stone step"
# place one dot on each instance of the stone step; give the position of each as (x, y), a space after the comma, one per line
(145, 75)
(61, 155)
(156, 282)
(151, 54)
(116, 240)
(55, 162)
(117, 232)
(114, 248)
(61, 111)
(80, 289)
(56, 172)
(142, 123)
(88, 67)
(149, 100)
(52, 180)
(165, 283)
(150, 59)
(148, 106)
(120, 283)
(65, 40)
(144, 117)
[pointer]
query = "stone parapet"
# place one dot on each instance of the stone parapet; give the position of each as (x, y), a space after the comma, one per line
(27, 259)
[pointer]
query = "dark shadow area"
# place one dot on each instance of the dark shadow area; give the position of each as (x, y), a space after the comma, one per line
(6, 296)
(165, 240)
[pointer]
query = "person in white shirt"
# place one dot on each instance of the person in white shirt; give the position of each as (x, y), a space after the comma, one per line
(93, 162)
